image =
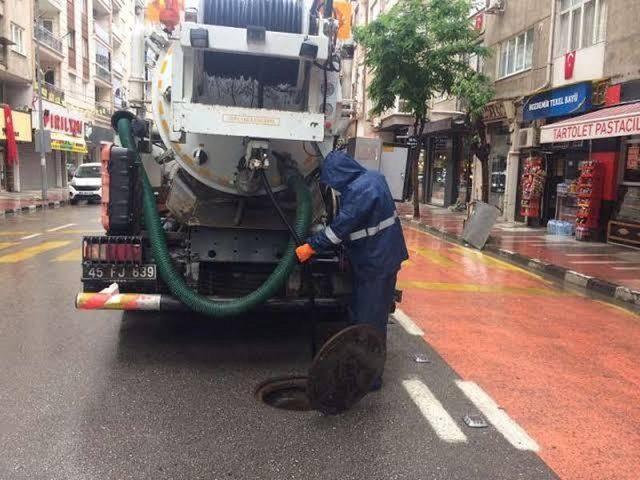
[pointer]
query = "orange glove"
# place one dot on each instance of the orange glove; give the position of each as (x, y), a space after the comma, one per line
(305, 252)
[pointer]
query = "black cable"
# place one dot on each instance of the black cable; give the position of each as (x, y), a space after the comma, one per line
(267, 187)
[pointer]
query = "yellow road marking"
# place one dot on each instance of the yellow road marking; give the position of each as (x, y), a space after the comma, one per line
(434, 257)
(619, 308)
(32, 252)
(7, 244)
(501, 264)
(71, 256)
(8, 234)
(475, 288)
(79, 231)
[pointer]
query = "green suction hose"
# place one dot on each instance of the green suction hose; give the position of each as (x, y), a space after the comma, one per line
(174, 280)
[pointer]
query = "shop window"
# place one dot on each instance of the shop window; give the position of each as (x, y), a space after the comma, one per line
(581, 23)
(516, 54)
(632, 162)
(17, 37)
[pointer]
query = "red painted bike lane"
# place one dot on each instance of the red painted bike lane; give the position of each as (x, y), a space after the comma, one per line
(564, 366)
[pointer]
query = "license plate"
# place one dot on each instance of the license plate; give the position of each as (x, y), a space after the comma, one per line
(119, 273)
(86, 193)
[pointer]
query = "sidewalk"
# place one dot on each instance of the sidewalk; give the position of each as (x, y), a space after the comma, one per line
(610, 270)
(30, 200)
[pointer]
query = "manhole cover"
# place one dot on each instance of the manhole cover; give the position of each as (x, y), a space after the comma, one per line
(285, 393)
(345, 369)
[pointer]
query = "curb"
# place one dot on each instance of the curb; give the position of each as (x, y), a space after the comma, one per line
(31, 208)
(592, 284)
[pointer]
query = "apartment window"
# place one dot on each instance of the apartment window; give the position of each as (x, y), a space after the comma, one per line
(47, 25)
(50, 77)
(71, 36)
(85, 48)
(581, 23)
(516, 54)
(84, 6)
(17, 37)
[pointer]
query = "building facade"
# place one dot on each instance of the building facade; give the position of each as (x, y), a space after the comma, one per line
(552, 61)
(81, 47)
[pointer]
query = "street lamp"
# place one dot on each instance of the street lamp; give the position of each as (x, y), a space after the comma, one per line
(40, 137)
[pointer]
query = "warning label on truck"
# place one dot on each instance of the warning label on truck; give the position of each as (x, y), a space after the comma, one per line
(251, 120)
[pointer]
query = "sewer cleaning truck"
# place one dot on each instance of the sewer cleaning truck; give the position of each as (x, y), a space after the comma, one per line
(231, 107)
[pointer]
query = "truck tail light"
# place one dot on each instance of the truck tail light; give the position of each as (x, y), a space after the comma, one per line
(112, 249)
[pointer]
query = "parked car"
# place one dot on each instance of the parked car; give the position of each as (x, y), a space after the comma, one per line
(86, 183)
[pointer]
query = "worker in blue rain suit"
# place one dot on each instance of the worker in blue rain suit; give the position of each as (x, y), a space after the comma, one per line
(368, 226)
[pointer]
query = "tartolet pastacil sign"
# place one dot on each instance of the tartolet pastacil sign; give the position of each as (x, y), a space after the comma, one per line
(611, 122)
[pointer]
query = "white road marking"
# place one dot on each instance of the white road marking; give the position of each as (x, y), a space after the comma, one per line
(626, 268)
(61, 227)
(586, 254)
(431, 409)
(405, 322)
(33, 235)
(602, 262)
(509, 429)
(570, 245)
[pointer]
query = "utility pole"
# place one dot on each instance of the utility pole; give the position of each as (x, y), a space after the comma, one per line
(43, 155)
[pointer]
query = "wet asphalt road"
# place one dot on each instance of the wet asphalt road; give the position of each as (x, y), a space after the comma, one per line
(99, 395)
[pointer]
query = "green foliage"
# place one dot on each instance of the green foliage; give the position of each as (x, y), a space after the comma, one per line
(420, 49)
(474, 91)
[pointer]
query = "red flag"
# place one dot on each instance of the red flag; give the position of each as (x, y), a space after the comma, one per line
(11, 149)
(569, 64)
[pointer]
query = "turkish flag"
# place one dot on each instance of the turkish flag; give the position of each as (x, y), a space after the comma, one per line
(569, 64)
(11, 148)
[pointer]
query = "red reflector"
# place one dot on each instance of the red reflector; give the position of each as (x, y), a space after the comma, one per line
(121, 255)
(136, 254)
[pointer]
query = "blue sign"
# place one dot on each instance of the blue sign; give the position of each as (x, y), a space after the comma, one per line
(559, 102)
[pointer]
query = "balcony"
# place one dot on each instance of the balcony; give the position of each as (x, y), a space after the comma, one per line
(102, 7)
(102, 110)
(103, 74)
(117, 34)
(50, 6)
(396, 118)
(102, 34)
(53, 46)
(118, 69)
(52, 93)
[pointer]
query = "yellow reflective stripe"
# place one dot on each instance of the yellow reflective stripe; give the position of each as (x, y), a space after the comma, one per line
(71, 256)
(32, 252)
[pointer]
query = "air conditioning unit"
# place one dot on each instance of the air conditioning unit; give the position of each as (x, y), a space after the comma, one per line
(529, 138)
(495, 6)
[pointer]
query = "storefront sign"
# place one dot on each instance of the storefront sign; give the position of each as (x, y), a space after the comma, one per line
(494, 112)
(60, 120)
(21, 127)
(605, 128)
(559, 102)
(67, 143)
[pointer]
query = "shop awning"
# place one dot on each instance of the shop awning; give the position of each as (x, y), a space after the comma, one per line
(67, 143)
(618, 121)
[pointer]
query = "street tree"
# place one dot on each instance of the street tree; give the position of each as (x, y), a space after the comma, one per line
(415, 51)
(474, 91)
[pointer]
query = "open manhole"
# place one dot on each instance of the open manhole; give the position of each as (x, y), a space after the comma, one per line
(342, 373)
(285, 393)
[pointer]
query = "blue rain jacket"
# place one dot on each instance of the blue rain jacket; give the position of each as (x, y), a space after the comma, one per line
(367, 222)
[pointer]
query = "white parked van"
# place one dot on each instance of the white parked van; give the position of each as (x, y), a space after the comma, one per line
(86, 183)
